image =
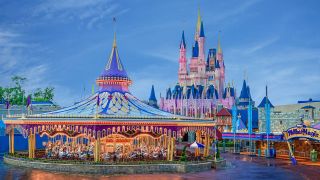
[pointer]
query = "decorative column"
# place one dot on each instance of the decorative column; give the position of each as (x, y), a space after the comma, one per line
(11, 141)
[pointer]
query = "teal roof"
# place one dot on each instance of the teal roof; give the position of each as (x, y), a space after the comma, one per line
(264, 101)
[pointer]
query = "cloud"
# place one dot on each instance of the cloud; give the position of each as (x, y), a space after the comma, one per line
(290, 72)
(261, 45)
(89, 11)
(230, 12)
(161, 53)
(14, 60)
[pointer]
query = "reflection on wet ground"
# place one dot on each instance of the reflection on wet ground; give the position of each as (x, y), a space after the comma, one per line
(242, 167)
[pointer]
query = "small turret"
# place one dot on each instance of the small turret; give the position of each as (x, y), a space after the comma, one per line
(183, 41)
(152, 99)
(265, 100)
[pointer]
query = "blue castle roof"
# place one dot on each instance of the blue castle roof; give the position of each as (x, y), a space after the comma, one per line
(183, 41)
(201, 30)
(195, 50)
(245, 91)
(264, 101)
(114, 67)
(308, 101)
(152, 95)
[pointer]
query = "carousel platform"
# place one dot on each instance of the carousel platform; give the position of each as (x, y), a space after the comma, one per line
(110, 169)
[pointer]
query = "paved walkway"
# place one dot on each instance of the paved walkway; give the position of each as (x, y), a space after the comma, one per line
(241, 167)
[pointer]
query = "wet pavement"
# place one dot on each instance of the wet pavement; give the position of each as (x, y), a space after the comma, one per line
(240, 167)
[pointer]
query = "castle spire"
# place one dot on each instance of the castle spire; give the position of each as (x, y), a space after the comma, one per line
(114, 45)
(219, 45)
(198, 27)
(201, 30)
(152, 95)
(183, 41)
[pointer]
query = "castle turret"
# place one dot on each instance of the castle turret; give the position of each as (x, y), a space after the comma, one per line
(265, 100)
(245, 96)
(182, 74)
(222, 68)
(152, 99)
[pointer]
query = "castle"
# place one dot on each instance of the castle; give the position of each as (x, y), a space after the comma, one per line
(200, 90)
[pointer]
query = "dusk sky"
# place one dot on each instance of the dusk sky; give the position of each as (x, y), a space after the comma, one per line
(66, 43)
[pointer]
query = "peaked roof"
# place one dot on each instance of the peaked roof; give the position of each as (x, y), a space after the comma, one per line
(152, 95)
(183, 41)
(201, 30)
(195, 50)
(223, 112)
(245, 91)
(264, 101)
(114, 67)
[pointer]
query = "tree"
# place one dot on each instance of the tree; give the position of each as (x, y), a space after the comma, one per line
(48, 93)
(18, 80)
(38, 95)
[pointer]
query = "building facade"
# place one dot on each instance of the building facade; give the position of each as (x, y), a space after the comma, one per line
(284, 117)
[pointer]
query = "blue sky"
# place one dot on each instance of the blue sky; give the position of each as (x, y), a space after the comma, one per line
(66, 43)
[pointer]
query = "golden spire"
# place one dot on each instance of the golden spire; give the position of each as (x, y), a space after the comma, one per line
(198, 27)
(114, 40)
(199, 21)
(114, 31)
(219, 45)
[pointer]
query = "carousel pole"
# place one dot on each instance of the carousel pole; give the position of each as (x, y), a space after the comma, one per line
(172, 148)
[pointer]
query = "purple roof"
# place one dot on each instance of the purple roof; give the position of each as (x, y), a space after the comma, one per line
(114, 67)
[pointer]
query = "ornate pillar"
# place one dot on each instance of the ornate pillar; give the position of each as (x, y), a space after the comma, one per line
(11, 141)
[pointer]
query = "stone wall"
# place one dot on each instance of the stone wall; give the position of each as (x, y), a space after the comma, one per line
(110, 169)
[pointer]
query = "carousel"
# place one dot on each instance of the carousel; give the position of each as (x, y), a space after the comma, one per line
(110, 125)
